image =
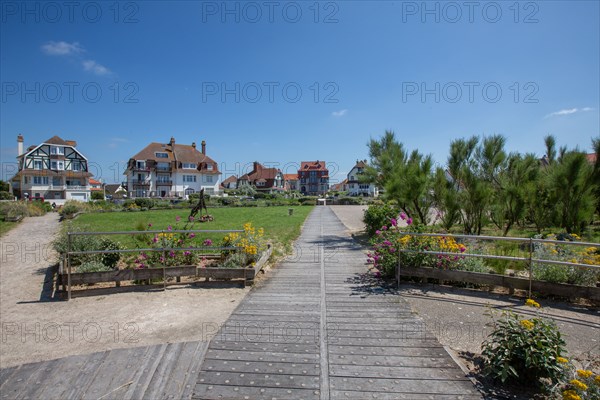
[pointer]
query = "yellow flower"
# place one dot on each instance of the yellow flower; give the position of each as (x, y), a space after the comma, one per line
(584, 373)
(570, 395)
(527, 324)
(597, 379)
(532, 303)
(562, 360)
(578, 384)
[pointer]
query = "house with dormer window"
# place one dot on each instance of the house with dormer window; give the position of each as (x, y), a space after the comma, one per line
(313, 178)
(54, 170)
(171, 170)
(355, 186)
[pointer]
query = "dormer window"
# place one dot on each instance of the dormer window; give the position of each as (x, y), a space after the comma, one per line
(161, 155)
(37, 164)
(189, 166)
(56, 150)
(140, 164)
(57, 165)
(209, 167)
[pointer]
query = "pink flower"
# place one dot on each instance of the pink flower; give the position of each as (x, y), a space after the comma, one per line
(162, 259)
(387, 243)
(178, 218)
(378, 232)
(462, 249)
(155, 239)
(171, 253)
(149, 225)
(394, 222)
(192, 235)
(169, 228)
(191, 219)
(187, 253)
(384, 228)
(409, 221)
(377, 274)
(207, 242)
(402, 216)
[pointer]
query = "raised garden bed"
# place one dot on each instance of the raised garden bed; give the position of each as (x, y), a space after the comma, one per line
(245, 275)
(510, 282)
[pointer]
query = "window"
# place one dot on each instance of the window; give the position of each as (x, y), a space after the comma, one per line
(57, 150)
(57, 165)
(161, 155)
(37, 164)
(209, 167)
(208, 179)
(189, 178)
(40, 180)
(76, 166)
(163, 166)
(140, 164)
(189, 166)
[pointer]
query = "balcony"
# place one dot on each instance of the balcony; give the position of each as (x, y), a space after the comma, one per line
(164, 181)
(76, 187)
(140, 182)
(57, 187)
(163, 168)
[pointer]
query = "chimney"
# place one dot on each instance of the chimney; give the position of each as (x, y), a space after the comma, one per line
(203, 147)
(256, 165)
(71, 143)
(172, 141)
(194, 145)
(19, 144)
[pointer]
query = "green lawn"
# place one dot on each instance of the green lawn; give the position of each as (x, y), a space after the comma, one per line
(6, 226)
(278, 226)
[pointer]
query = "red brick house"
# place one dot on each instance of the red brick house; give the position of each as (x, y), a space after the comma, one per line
(263, 179)
(313, 178)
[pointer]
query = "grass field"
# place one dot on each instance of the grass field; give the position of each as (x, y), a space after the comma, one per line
(6, 226)
(278, 225)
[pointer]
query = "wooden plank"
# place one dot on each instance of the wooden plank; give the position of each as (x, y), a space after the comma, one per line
(262, 367)
(64, 374)
(37, 380)
(5, 374)
(162, 374)
(557, 289)
(214, 392)
(194, 370)
(442, 370)
(358, 395)
(19, 380)
(147, 367)
(272, 380)
(243, 355)
(85, 376)
(455, 387)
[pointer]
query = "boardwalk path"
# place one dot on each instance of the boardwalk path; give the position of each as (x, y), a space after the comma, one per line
(318, 330)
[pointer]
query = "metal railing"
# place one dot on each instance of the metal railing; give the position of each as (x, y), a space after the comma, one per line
(530, 260)
(164, 250)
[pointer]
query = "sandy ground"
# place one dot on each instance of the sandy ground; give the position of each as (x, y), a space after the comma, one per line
(456, 316)
(35, 327)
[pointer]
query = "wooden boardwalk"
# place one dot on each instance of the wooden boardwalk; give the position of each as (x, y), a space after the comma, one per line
(320, 329)
(166, 371)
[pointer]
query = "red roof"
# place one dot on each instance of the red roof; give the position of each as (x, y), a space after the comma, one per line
(313, 166)
(259, 172)
(94, 182)
(591, 157)
(290, 177)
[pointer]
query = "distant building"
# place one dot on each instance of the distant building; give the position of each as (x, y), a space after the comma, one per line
(95, 186)
(340, 187)
(262, 179)
(355, 186)
(230, 183)
(171, 170)
(54, 170)
(290, 182)
(313, 178)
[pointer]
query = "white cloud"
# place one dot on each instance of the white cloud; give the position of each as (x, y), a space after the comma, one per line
(61, 48)
(93, 66)
(340, 113)
(568, 111)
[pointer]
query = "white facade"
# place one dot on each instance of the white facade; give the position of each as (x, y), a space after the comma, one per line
(357, 188)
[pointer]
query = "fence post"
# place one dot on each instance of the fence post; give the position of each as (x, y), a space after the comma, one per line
(398, 267)
(164, 269)
(530, 265)
(68, 266)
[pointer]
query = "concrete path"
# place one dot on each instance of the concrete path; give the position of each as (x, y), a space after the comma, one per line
(320, 329)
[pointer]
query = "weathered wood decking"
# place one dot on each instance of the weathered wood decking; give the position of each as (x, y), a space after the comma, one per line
(165, 371)
(318, 330)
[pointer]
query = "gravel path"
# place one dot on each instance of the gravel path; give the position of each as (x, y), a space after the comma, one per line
(35, 327)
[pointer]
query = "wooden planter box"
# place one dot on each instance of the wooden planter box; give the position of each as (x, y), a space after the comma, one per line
(118, 276)
(510, 282)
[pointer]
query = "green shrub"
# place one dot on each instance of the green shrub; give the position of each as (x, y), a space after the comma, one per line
(110, 259)
(93, 266)
(350, 201)
(69, 209)
(96, 195)
(36, 208)
(523, 350)
(144, 202)
(15, 209)
(6, 196)
(377, 216)
(78, 243)
(308, 201)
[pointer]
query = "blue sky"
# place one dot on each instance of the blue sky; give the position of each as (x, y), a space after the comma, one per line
(298, 84)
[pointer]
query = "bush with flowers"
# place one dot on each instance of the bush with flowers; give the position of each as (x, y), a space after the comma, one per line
(174, 243)
(523, 350)
(249, 245)
(575, 254)
(390, 240)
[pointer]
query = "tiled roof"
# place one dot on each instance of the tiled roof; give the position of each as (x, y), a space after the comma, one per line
(94, 182)
(313, 166)
(290, 177)
(49, 172)
(56, 140)
(360, 164)
(259, 172)
(182, 153)
(591, 157)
